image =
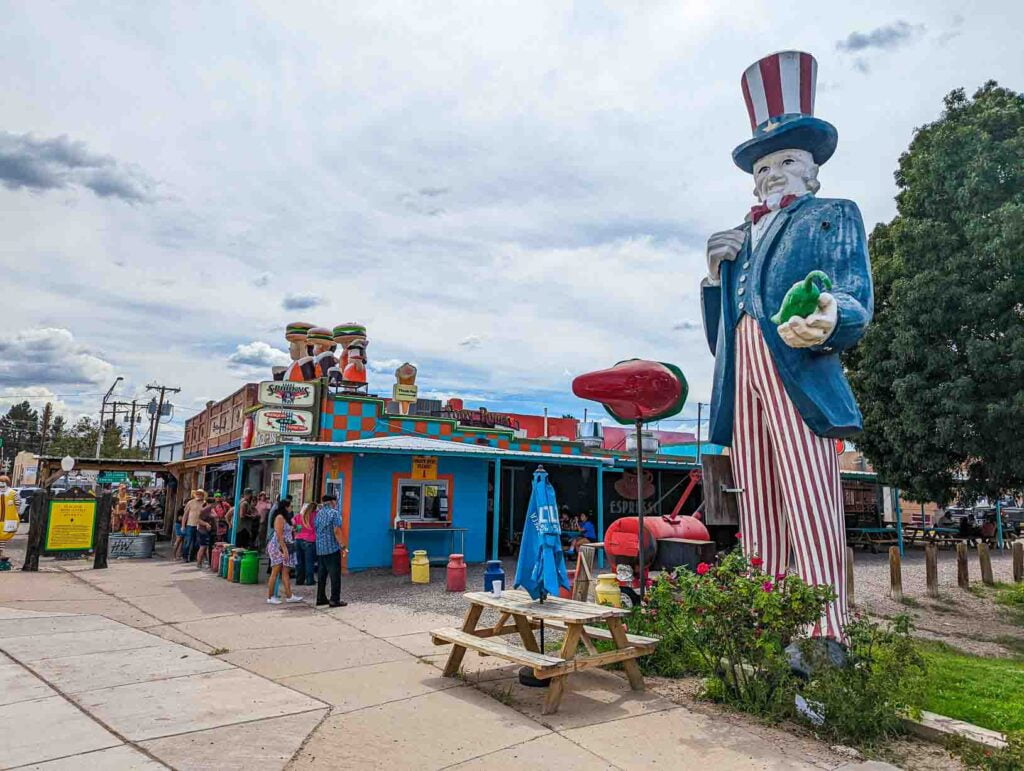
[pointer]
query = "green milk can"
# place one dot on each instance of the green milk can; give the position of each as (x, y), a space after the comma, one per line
(250, 569)
(225, 557)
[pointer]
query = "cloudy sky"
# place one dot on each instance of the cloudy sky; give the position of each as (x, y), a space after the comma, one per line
(507, 194)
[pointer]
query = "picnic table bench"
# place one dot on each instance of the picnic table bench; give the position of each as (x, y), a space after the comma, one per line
(942, 536)
(520, 614)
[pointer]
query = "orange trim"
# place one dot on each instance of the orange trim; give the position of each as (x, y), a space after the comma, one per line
(335, 467)
(397, 475)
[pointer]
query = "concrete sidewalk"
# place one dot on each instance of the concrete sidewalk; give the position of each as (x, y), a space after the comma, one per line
(163, 665)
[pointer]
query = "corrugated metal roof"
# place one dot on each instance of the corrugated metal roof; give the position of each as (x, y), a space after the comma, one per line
(420, 445)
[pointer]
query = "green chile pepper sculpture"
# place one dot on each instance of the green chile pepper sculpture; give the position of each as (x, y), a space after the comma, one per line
(802, 298)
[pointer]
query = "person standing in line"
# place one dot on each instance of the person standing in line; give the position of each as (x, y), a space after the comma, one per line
(260, 526)
(246, 520)
(204, 533)
(189, 523)
(305, 545)
(281, 550)
(329, 546)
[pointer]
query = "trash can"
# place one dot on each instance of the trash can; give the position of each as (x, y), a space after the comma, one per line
(455, 579)
(250, 568)
(235, 566)
(400, 560)
(420, 567)
(494, 572)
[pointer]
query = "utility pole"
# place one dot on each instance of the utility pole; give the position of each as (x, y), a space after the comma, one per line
(103, 409)
(155, 425)
(131, 426)
(699, 407)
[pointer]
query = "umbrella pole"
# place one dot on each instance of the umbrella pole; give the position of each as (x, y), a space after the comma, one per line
(640, 505)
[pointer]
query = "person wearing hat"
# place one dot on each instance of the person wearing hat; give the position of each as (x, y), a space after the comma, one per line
(780, 397)
(301, 352)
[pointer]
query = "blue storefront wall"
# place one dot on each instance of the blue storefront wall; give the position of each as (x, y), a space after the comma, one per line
(373, 508)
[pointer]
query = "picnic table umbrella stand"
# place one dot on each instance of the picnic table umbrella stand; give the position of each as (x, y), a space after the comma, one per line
(541, 566)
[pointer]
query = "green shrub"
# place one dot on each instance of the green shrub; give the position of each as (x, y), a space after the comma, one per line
(862, 703)
(1010, 758)
(731, 623)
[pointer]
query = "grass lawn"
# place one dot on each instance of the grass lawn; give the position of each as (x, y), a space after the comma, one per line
(985, 691)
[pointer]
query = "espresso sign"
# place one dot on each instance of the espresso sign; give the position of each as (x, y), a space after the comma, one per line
(287, 393)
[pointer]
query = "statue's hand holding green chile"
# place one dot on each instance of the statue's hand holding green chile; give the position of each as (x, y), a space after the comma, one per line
(807, 315)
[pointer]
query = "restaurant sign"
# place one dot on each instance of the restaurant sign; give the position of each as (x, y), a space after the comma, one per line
(287, 393)
(284, 421)
(424, 467)
(70, 526)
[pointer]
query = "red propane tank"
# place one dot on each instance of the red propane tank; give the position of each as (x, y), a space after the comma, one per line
(400, 560)
(620, 539)
(456, 577)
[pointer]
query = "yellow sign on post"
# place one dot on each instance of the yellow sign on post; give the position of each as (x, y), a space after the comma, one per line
(70, 526)
(424, 467)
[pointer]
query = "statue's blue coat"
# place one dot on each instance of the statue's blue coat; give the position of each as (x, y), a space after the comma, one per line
(811, 234)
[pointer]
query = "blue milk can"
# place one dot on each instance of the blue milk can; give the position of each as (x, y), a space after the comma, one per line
(494, 572)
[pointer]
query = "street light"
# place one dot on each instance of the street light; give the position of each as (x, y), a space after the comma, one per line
(103, 408)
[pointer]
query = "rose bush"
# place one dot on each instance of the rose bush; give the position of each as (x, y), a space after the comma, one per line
(730, 622)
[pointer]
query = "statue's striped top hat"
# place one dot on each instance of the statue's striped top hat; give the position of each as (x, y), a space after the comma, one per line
(779, 93)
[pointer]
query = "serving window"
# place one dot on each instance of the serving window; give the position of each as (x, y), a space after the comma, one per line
(423, 501)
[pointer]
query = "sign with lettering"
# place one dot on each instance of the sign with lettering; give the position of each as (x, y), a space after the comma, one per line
(404, 393)
(424, 467)
(70, 526)
(287, 393)
(284, 421)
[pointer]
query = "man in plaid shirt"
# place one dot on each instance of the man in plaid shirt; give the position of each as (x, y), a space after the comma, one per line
(329, 546)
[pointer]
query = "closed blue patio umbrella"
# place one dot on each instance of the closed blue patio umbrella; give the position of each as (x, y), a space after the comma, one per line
(541, 566)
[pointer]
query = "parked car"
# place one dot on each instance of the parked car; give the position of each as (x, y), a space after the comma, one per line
(24, 501)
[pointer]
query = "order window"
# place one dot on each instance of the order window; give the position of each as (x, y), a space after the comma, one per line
(423, 501)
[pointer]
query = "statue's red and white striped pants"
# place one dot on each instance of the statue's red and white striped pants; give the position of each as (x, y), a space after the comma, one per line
(792, 495)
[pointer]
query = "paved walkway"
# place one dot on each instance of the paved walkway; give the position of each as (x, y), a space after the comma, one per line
(154, 664)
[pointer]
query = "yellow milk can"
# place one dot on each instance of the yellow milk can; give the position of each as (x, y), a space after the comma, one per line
(608, 590)
(420, 567)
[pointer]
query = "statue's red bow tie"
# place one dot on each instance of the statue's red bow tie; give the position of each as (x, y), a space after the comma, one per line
(756, 212)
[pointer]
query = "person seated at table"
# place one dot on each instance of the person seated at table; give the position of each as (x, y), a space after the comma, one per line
(945, 520)
(988, 530)
(966, 531)
(588, 533)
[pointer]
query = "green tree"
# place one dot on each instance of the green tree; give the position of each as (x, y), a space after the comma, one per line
(939, 373)
(20, 429)
(80, 441)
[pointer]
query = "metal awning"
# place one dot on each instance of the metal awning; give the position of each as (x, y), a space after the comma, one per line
(416, 445)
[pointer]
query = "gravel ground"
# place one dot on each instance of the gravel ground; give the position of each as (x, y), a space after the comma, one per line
(381, 587)
(969, 620)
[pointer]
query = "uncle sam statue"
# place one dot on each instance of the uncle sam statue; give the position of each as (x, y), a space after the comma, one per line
(780, 397)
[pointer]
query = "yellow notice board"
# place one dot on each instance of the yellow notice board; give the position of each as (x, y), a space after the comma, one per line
(424, 467)
(70, 526)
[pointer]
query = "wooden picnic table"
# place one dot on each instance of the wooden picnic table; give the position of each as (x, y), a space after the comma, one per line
(520, 614)
(932, 534)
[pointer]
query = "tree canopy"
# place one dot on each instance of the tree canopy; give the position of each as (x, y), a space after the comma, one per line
(940, 372)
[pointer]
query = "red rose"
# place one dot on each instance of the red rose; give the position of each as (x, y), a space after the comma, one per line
(756, 562)
(767, 586)
(739, 536)
(703, 568)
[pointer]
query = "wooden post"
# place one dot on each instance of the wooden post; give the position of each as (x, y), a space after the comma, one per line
(962, 578)
(931, 569)
(99, 559)
(1018, 562)
(895, 574)
(38, 512)
(849, 576)
(985, 559)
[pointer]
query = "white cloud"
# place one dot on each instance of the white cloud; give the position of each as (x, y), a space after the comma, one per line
(49, 356)
(471, 341)
(258, 354)
(37, 396)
